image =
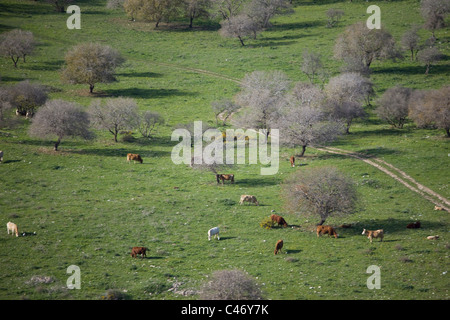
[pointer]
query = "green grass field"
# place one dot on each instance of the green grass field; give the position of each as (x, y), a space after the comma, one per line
(88, 206)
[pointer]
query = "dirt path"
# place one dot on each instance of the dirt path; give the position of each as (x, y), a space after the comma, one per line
(381, 165)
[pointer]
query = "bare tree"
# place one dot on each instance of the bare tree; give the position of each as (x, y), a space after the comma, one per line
(196, 8)
(410, 40)
(17, 44)
(60, 119)
(114, 115)
(233, 284)
(91, 63)
(26, 97)
(321, 191)
(261, 11)
(148, 122)
(312, 64)
(224, 109)
(334, 15)
(5, 103)
(359, 46)
(431, 108)
(429, 56)
(393, 106)
(240, 26)
(59, 5)
(227, 8)
(434, 12)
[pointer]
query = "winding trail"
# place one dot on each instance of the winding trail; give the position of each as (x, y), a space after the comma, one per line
(380, 164)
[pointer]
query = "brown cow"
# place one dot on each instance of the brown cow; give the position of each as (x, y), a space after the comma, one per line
(134, 157)
(223, 177)
(292, 159)
(326, 230)
(278, 246)
(413, 225)
(279, 220)
(139, 250)
(374, 234)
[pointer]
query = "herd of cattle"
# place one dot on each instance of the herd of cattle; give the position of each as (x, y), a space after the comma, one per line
(276, 219)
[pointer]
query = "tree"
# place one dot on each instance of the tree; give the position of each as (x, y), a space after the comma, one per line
(26, 97)
(321, 191)
(148, 122)
(434, 12)
(196, 8)
(225, 108)
(261, 11)
(239, 26)
(393, 106)
(227, 8)
(359, 46)
(334, 15)
(159, 10)
(132, 8)
(91, 63)
(233, 284)
(60, 119)
(114, 115)
(59, 5)
(17, 44)
(429, 56)
(312, 65)
(410, 41)
(431, 108)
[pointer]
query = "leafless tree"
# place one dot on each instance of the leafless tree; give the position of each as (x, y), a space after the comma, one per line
(114, 115)
(5, 103)
(312, 64)
(434, 12)
(429, 56)
(148, 122)
(239, 26)
(359, 46)
(431, 108)
(227, 8)
(26, 97)
(224, 109)
(233, 284)
(59, 5)
(334, 15)
(393, 106)
(17, 44)
(321, 191)
(60, 119)
(260, 95)
(410, 40)
(261, 11)
(91, 63)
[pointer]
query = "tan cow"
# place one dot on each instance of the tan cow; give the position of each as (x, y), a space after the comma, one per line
(248, 198)
(10, 226)
(223, 177)
(326, 230)
(374, 234)
(134, 157)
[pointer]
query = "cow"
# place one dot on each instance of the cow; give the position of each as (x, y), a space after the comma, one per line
(439, 208)
(139, 250)
(248, 198)
(326, 230)
(213, 232)
(292, 159)
(1, 156)
(413, 225)
(134, 157)
(223, 177)
(279, 220)
(433, 237)
(374, 234)
(10, 226)
(278, 246)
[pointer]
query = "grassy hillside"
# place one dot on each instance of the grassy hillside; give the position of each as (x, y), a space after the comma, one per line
(88, 206)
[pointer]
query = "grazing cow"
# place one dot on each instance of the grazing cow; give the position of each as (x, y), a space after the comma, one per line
(433, 237)
(139, 250)
(374, 234)
(1, 156)
(345, 226)
(413, 225)
(278, 246)
(326, 230)
(134, 157)
(213, 232)
(292, 159)
(223, 177)
(10, 226)
(279, 220)
(248, 198)
(439, 208)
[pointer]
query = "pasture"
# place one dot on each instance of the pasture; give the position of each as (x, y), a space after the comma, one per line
(89, 206)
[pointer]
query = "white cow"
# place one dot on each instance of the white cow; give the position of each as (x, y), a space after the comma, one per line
(10, 226)
(213, 232)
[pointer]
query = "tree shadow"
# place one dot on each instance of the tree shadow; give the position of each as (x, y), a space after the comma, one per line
(146, 74)
(412, 70)
(257, 182)
(295, 25)
(146, 93)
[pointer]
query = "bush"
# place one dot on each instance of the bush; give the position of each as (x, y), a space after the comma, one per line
(267, 223)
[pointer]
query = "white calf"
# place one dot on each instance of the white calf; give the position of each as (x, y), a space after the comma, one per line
(213, 232)
(13, 228)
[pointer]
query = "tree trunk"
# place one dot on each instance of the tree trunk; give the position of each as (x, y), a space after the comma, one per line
(322, 221)
(15, 61)
(242, 41)
(303, 151)
(448, 132)
(57, 144)
(91, 88)
(191, 19)
(428, 69)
